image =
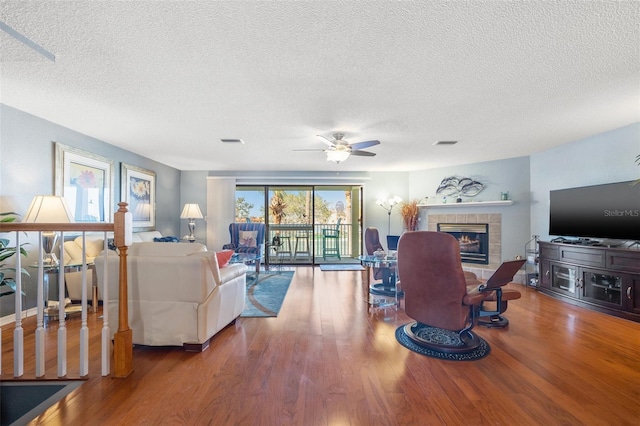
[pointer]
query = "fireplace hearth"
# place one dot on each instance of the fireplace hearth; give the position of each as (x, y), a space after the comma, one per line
(473, 239)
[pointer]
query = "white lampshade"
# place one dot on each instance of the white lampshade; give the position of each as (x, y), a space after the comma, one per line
(337, 156)
(191, 211)
(48, 209)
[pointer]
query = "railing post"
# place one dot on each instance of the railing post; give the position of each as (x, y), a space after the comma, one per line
(106, 331)
(18, 332)
(123, 338)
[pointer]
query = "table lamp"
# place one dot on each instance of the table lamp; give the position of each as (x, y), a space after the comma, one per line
(48, 209)
(191, 212)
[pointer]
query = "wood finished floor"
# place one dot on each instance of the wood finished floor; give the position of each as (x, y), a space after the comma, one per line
(327, 359)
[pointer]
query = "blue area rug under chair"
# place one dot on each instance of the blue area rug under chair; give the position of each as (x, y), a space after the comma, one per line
(266, 294)
(442, 336)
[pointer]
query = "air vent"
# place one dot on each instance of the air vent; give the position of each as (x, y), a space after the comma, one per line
(446, 143)
(232, 140)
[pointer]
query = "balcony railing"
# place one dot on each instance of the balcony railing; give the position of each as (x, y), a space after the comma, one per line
(122, 351)
(292, 233)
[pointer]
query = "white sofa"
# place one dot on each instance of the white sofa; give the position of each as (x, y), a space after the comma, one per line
(95, 245)
(178, 296)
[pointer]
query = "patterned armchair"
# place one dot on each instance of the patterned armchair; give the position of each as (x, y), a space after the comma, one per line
(247, 237)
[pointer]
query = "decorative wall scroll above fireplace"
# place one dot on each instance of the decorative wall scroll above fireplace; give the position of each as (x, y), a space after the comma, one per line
(473, 239)
(459, 186)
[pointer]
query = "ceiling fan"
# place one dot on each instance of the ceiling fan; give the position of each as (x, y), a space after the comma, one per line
(339, 149)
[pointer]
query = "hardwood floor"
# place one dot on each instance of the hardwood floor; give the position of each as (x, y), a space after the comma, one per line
(328, 360)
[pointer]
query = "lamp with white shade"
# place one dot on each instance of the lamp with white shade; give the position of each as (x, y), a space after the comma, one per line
(48, 209)
(191, 212)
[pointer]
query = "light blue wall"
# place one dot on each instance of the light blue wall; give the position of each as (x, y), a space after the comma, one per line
(27, 169)
(27, 163)
(604, 158)
(510, 175)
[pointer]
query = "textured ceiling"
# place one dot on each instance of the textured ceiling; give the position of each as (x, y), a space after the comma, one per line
(168, 80)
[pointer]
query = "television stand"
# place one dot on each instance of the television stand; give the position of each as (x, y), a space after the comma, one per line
(595, 277)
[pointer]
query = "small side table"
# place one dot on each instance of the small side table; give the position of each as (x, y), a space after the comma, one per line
(53, 270)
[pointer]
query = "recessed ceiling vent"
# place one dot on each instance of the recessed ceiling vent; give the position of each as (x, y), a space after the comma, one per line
(446, 143)
(232, 140)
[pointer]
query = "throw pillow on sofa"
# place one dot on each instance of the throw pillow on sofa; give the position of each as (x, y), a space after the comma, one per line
(248, 238)
(224, 256)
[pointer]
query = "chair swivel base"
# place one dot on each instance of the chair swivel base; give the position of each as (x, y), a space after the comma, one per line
(494, 321)
(441, 340)
(381, 289)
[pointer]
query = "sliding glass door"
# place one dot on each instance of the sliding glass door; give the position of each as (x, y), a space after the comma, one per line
(306, 224)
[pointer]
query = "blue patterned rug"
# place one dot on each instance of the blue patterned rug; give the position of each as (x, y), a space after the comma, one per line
(444, 337)
(266, 294)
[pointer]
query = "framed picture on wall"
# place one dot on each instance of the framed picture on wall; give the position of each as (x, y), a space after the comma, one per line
(86, 182)
(139, 191)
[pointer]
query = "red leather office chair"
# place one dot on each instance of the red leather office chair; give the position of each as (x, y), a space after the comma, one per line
(436, 294)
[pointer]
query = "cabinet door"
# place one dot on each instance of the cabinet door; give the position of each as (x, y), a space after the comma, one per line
(563, 279)
(631, 293)
(603, 288)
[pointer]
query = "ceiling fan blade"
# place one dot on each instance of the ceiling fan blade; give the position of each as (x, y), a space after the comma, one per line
(327, 140)
(365, 144)
(309, 149)
(363, 153)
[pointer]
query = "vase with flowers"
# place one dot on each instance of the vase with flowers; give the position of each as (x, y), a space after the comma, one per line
(410, 211)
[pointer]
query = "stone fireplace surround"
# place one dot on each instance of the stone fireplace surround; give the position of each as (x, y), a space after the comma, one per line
(495, 237)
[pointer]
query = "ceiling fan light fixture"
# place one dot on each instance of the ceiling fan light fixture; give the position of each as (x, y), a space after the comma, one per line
(337, 155)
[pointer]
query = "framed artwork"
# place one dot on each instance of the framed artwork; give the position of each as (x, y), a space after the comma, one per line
(139, 191)
(86, 181)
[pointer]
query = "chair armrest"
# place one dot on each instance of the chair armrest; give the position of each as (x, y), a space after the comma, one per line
(475, 297)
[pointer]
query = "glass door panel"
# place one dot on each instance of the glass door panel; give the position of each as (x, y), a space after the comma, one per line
(337, 223)
(290, 223)
(300, 219)
(563, 278)
(250, 204)
(603, 288)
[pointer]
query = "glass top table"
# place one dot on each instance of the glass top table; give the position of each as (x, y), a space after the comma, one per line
(388, 291)
(248, 259)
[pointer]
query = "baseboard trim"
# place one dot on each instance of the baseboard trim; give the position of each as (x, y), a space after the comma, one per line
(12, 318)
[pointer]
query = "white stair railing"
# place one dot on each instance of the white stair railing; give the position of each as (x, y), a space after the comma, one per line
(40, 329)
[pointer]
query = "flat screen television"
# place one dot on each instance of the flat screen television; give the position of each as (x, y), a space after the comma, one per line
(600, 211)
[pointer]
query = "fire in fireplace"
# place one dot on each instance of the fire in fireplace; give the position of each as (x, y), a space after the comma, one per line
(473, 239)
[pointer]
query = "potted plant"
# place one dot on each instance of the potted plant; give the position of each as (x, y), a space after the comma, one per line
(409, 211)
(7, 283)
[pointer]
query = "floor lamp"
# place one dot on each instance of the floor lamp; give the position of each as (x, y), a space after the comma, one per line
(388, 206)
